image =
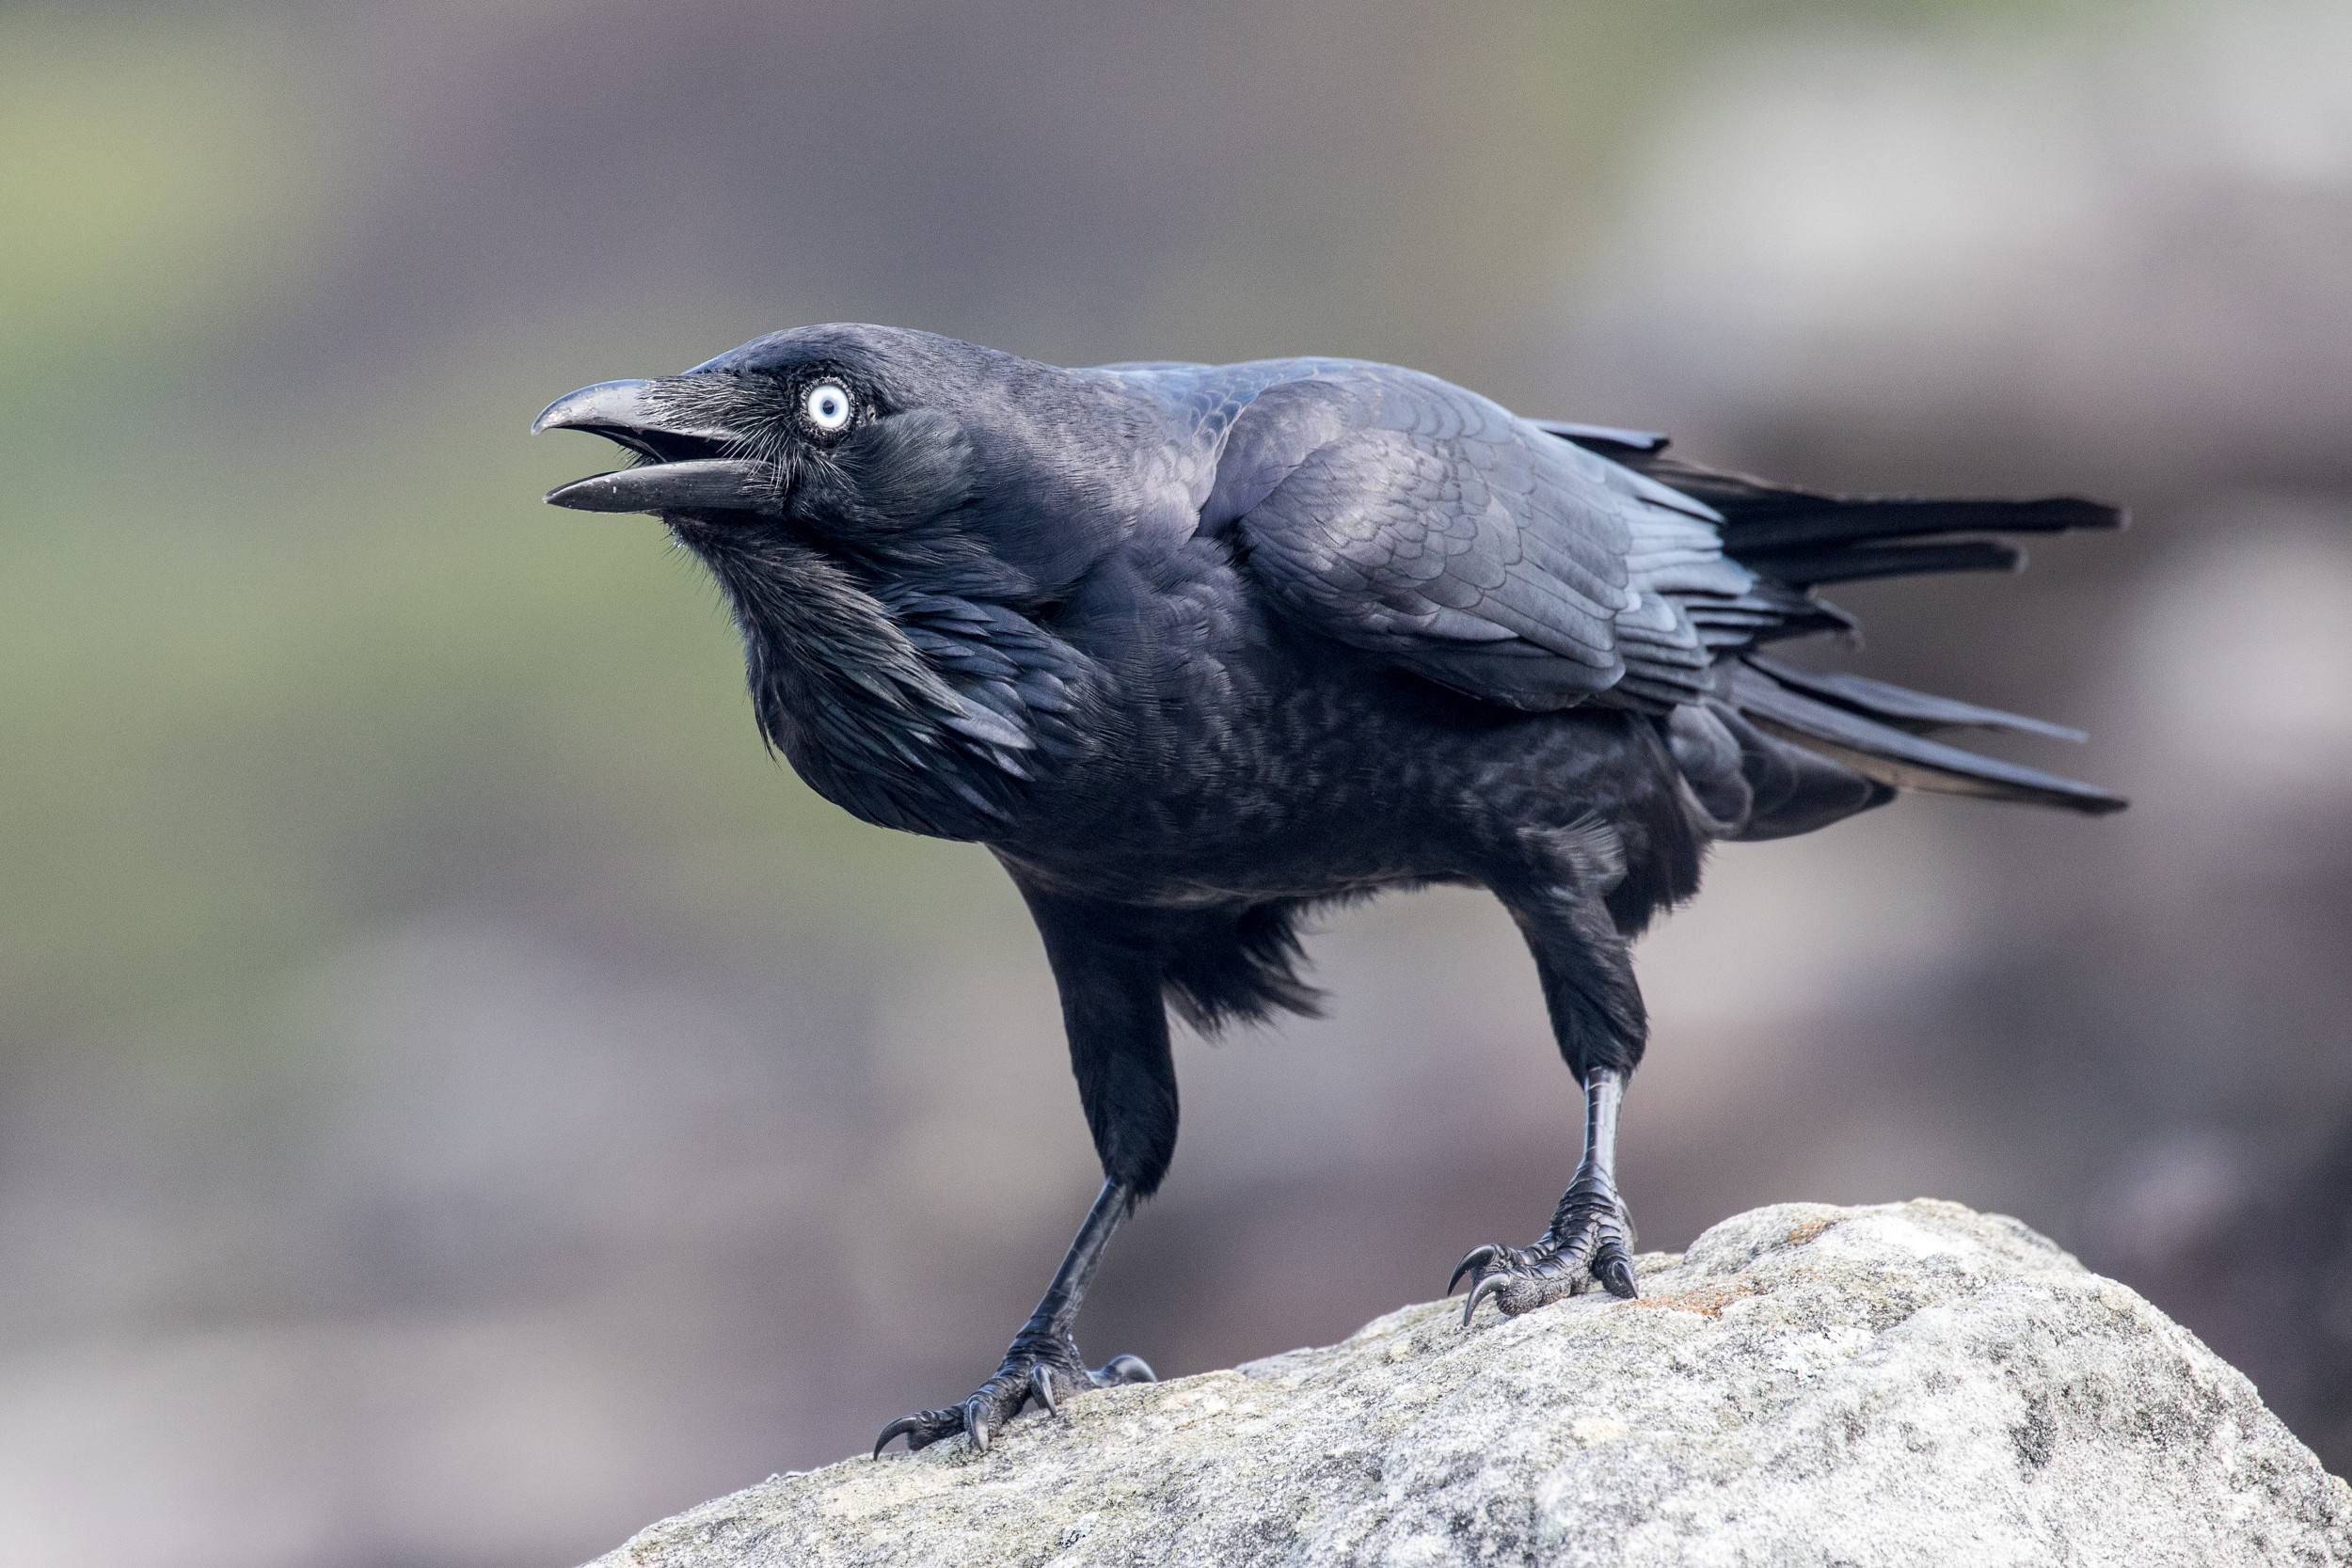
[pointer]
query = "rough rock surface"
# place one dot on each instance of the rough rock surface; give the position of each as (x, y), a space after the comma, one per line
(1911, 1384)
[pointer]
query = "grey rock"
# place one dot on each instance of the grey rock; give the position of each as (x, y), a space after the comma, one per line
(1909, 1383)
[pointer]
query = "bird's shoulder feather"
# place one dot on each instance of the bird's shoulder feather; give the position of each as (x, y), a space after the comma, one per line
(1398, 514)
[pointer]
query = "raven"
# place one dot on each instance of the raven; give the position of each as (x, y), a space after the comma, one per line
(1196, 648)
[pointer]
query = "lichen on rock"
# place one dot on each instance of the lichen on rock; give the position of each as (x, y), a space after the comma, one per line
(1909, 1383)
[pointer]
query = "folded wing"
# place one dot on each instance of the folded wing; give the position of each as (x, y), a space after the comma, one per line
(1396, 514)
(1541, 567)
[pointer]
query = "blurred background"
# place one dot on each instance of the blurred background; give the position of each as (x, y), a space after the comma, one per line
(460, 1099)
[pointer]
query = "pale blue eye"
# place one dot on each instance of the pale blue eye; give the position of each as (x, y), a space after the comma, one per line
(827, 406)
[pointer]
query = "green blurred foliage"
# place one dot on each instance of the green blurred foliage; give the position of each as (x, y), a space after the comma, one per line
(236, 672)
(151, 178)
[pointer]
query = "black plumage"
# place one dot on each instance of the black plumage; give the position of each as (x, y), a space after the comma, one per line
(1196, 648)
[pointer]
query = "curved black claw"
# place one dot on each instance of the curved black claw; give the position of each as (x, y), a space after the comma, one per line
(921, 1430)
(1614, 1268)
(1475, 1262)
(1037, 1371)
(1591, 1239)
(1488, 1285)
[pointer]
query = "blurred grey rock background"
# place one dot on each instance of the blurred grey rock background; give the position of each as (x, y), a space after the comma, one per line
(459, 1100)
(1908, 1383)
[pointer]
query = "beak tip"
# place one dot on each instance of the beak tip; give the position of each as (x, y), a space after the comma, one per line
(553, 416)
(620, 402)
(594, 494)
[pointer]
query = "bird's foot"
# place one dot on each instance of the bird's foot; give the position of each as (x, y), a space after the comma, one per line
(1042, 1366)
(1591, 1239)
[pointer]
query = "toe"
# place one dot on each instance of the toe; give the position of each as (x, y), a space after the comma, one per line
(920, 1430)
(1043, 1374)
(1122, 1369)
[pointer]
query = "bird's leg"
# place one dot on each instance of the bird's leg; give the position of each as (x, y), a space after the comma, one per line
(1597, 1016)
(1107, 966)
(1591, 1235)
(1043, 1364)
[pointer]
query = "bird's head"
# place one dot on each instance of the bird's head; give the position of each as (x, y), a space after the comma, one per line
(895, 454)
(897, 517)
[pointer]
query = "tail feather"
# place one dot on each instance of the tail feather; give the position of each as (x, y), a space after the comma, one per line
(1805, 537)
(1796, 519)
(1916, 712)
(1764, 516)
(1794, 541)
(1854, 563)
(1898, 756)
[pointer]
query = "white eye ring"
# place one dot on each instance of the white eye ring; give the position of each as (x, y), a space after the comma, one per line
(827, 406)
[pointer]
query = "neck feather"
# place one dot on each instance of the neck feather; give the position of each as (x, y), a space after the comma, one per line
(917, 710)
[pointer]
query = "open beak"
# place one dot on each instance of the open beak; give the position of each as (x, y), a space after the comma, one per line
(681, 476)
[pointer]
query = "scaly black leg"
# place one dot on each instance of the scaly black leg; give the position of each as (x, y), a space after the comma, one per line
(1044, 1363)
(1591, 1236)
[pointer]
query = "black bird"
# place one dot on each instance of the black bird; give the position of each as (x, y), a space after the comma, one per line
(1195, 648)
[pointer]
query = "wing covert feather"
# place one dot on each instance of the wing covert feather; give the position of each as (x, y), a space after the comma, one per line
(1399, 515)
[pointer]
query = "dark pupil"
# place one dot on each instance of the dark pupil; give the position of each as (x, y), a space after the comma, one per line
(827, 406)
